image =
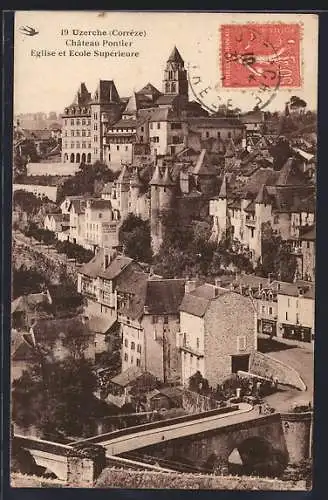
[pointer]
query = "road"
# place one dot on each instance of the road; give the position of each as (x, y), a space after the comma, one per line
(127, 442)
(301, 359)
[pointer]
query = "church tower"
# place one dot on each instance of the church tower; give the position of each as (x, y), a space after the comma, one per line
(175, 82)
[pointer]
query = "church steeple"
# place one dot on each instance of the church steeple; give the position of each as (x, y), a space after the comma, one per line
(175, 80)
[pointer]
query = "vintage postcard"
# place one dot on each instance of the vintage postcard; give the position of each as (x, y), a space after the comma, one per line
(163, 258)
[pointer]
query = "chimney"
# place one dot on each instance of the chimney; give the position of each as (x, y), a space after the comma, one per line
(190, 285)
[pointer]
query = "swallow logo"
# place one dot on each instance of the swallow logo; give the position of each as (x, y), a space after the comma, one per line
(28, 30)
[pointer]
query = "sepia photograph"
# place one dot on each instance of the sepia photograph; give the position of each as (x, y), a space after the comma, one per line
(163, 250)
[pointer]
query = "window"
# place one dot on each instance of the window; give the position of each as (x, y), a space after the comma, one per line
(229, 135)
(141, 138)
(151, 126)
(95, 127)
(73, 133)
(219, 135)
(133, 346)
(118, 148)
(296, 304)
(270, 310)
(139, 348)
(276, 219)
(77, 133)
(197, 342)
(83, 133)
(77, 144)
(126, 148)
(142, 129)
(72, 122)
(138, 362)
(72, 144)
(77, 122)
(84, 145)
(307, 244)
(166, 320)
(288, 302)
(100, 216)
(241, 343)
(207, 135)
(263, 309)
(126, 343)
(158, 125)
(95, 139)
(83, 121)
(176, 126)
(125, 357)
(131, 360)
(170, 75)
(154, 320)
(286, 316)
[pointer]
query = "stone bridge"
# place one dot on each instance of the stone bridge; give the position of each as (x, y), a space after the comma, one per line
(199, 439)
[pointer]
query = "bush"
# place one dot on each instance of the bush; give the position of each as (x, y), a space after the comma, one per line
(118, 478)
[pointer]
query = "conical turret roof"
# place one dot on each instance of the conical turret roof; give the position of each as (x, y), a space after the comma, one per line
(124, 176)
(166, 180)
(223, 189)
(263, 196)
(175, 56)
(157, 178)
(135, 179)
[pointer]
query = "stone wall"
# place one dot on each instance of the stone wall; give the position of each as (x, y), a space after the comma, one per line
(45, 262)
(265, 366)
(195, 403)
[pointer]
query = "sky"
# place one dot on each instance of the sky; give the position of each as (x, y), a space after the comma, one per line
(49, 83)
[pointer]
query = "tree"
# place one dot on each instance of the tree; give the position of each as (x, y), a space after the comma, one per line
(278, 260)
(27, 281)
(135, 238)
(83, 181)
(55, 396)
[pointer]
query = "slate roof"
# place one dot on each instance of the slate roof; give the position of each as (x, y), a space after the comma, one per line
(164, 296)
(50, 329)
(308, 233)
(125, 123)
(293, 289)
(115, 267)
(106, 92)
(290, 174)
(99, 204)
(166, 100)
(30, 302)
(175, 56)
(94, 266)
(197, 302)
(214, 122)
(100, 324)
(130, 375)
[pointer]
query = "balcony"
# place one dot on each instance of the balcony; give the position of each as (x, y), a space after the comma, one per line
(185, 346)
(250, 221)
(107, 299)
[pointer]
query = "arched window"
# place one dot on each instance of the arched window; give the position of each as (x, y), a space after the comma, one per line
(72, 157)
(78, 158)
(83, 158)
(65, 157)
(109, 157)
(89, 158)
(167, 87)
(173, 87)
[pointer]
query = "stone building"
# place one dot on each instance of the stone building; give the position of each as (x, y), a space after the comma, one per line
(217, 333)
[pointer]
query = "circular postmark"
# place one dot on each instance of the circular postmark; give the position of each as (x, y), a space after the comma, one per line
(250, 62)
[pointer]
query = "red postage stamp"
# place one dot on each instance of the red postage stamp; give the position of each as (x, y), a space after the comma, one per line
(261, 55)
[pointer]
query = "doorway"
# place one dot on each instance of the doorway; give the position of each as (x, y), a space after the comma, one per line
(239, 362)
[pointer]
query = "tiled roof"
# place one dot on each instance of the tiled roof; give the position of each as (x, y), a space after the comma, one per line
(125, 123)
(135, 285)
(300, 288)
(149, 89)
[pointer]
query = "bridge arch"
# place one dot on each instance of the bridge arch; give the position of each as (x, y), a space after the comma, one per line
(257, 455)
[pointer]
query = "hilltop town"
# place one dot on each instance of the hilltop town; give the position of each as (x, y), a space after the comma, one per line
(163, 265)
